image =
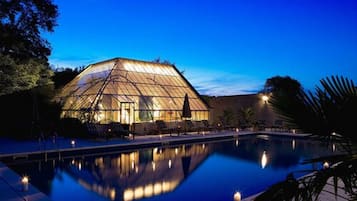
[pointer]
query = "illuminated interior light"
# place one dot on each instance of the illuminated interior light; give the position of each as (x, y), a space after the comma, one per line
(170, 164)
(153, 166)
(293, 144)
(159, 70)
(237, 142)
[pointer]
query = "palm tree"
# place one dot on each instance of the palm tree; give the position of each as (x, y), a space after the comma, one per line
(328, 115)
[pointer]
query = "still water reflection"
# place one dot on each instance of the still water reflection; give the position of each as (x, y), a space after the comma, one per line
(205, 171)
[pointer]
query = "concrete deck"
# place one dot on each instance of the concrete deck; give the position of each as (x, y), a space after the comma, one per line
(11, 188)
(10, 182)
(327, 194)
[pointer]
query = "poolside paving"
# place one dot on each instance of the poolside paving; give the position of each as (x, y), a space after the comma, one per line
(10, 182)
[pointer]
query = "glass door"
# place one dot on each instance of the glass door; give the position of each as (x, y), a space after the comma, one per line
(126, 112)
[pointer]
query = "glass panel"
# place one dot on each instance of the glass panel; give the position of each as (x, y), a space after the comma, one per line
(156, 91)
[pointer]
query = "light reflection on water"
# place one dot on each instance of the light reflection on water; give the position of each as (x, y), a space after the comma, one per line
(205, 171)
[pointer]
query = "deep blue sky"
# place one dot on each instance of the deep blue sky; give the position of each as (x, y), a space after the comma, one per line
(224, 47)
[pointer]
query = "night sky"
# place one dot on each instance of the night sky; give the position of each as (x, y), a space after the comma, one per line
(224, 47)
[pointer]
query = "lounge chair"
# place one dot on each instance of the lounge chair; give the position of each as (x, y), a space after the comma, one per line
(117, 129)
(206, 125)
(188, 126)
(278, 125)
(261, 125)
(162, 127)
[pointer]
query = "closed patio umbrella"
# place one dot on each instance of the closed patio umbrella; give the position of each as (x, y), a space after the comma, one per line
(186, 110)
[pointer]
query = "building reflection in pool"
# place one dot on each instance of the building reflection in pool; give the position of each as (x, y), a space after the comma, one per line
(138, 174)
(147, 173)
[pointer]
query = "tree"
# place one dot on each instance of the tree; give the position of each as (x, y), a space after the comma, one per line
(246, 117)
(282, 85)
(227, 117)
(23, 52)
(328, 115)
(166, 62)
(64, 76)
(284, 93)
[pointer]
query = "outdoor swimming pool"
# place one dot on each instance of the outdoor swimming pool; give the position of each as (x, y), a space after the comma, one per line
(204, 171)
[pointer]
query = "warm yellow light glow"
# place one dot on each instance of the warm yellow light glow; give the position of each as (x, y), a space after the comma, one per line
(326, 165)
(72, 162)
(160, 70)
(138, 192)
(25, 180)
(176, 151)
(112, 194)
(132, 156)
(165, 186)
(136, 169)
(25, 183)
(203, 146)
(264, 160)
(99, 161)
(153, 166)
(132, 165)
(149, 190)
(157, 188)
(237, 196)
(265, 98)
(128, 195)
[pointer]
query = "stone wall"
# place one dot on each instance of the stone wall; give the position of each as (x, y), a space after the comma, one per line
(261, 109)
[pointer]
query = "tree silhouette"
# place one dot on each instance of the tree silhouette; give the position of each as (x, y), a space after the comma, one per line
(23, 52)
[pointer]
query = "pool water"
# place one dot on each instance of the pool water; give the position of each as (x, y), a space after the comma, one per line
(211, 171)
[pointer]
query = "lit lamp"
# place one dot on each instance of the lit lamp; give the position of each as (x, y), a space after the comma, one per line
(237, 196)
(25, 183)
(326, 165)
(265, 98)
(73, 143)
